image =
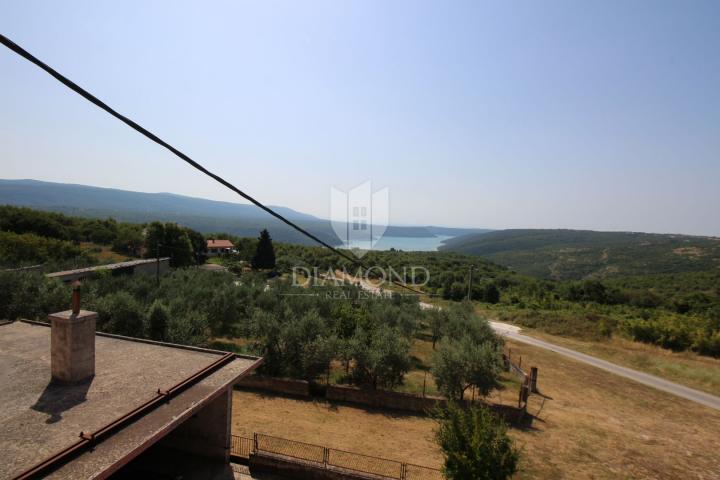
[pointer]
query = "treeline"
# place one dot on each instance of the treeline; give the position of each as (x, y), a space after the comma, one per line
(58, 226)
(678, 312)
(30, 236)
(675, 311)
(25, 248)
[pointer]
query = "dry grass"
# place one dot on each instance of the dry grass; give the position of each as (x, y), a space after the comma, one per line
(598, 425)
(687, 368)
(386, 434)
(591, 424)
(105, 255)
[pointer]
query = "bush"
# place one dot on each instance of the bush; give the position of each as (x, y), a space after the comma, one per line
(121, 314)
(188, 328)
(158, 321)
(475, 444)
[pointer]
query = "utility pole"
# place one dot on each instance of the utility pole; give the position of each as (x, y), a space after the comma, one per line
(157, 262)
(469, 295)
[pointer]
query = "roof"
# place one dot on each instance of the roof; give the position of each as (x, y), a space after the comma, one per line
(216, 243)
(110, 266)
(38, 418)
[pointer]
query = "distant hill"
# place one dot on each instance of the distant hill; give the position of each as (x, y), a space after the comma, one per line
(575, 254)
(200, 214)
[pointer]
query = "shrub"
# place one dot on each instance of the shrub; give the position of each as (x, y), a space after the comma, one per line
(475, 444)
(120, 313)
(158, 321)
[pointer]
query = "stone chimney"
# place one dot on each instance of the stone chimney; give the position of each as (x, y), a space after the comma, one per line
(72, 342)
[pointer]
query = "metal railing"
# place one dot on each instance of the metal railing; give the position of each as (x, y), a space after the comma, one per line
(330, 458)
(241, 446)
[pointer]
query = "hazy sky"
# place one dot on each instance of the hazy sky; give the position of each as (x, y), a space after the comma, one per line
(602, 115)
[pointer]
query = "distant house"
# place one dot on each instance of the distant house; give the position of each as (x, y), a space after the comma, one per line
(217, 247)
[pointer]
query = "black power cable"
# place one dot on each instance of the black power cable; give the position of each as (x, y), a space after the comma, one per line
(92, 99)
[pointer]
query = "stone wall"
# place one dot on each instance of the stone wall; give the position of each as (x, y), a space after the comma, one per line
(372, 398)
(383, 398)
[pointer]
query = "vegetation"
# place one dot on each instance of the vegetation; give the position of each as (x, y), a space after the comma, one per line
(29, 237)
(469, 353)
(678, 311)
(475, 444)
(184, 246)
(27, 249)
(264, 257)
(578, 254)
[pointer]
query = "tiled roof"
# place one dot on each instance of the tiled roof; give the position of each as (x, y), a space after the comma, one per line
(215, 243)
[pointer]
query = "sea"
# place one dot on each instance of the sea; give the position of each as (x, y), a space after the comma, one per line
(409, 244)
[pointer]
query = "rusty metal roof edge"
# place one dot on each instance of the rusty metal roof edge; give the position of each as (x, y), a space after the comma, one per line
(151, 342)
(61, 457)
(141, 448)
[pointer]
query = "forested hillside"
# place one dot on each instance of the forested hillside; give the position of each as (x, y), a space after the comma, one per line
(578, 254)
(56, 241)
(197, 213)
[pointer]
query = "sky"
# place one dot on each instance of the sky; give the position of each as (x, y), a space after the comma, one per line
(599, 115)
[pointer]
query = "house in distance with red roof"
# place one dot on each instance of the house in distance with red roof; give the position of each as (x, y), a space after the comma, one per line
(217, 247)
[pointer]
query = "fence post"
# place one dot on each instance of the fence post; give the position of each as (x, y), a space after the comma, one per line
(403, 471)
(255, 443)
(533, 379)
(326, 456)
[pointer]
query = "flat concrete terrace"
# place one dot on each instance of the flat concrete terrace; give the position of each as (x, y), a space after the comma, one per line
(109, 266)
(39, 418)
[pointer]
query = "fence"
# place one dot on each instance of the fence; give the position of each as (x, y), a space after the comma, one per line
(241, 446)
(528, 381)
(330, 458)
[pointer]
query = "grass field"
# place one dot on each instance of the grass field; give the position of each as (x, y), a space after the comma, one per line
(686, 368)
(386, 434)
(589, 424)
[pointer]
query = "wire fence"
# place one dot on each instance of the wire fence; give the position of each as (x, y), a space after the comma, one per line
(330, 458)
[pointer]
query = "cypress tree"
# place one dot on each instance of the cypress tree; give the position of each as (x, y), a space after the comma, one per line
(265, 254)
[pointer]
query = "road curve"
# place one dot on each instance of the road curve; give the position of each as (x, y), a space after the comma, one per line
(513, 332)
(712, 401)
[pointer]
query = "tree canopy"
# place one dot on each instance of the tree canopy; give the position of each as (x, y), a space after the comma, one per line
(265, 253)
(475, 444)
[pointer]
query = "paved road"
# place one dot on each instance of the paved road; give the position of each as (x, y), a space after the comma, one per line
(512, 332)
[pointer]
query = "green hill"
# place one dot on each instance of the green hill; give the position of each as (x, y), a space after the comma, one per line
(576, 254)
(200, 214)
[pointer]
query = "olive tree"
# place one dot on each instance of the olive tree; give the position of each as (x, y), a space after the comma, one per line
(461, 364)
